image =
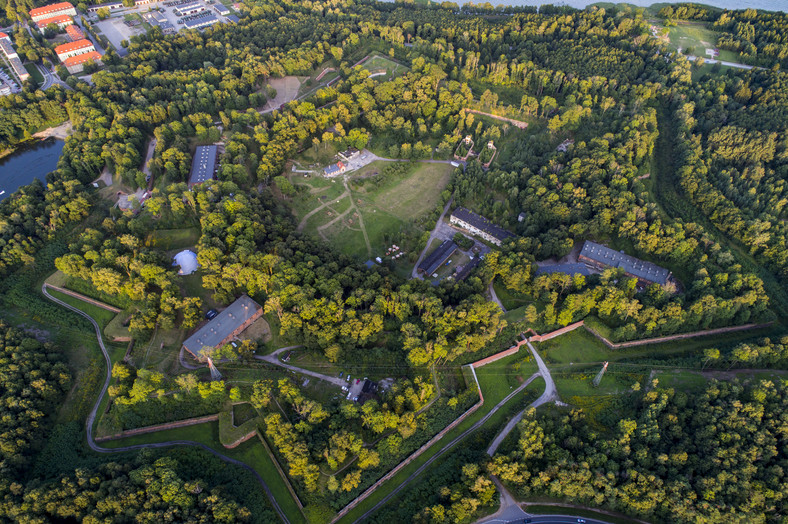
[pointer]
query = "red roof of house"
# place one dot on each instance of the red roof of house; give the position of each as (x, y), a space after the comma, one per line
(75, 32)
(50, 8)
(73, 46)
(3, 35)
(57, 20)
(79, 59)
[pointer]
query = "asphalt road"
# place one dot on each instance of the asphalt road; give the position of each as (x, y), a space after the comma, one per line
(543, 519)
(443, 450)
(92, 417)
(550, 394)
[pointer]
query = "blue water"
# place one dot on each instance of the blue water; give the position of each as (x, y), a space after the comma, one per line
(28, 163)
(768, 5)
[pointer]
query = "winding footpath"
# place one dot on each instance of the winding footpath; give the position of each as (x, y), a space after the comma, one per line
(92, 416)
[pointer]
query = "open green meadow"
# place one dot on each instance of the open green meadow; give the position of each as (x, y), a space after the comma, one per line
(379, 63)
(694, 39)
(373, 209)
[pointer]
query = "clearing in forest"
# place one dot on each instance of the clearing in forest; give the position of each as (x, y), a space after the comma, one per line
(362, 215)
(384, 67)
(694, 39)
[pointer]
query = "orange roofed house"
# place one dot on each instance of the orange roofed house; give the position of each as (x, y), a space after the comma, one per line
(74, 33)
(76, 64)
(80, 47)
(48, 11)
(60, 21)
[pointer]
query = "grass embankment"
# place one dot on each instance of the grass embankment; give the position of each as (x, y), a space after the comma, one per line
(665, 188)
(496, 380)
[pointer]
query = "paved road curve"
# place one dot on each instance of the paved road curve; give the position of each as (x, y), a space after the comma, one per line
(550, 394)
(92, 416)
(443, 450)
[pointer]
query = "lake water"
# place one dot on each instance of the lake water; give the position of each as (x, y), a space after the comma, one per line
(28, 163)
(768, 5)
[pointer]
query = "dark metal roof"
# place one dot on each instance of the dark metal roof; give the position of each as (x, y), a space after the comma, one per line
(233, 18)
(437, 257)
(221, 9)
(568, 269)
(482, 224)
(470, 266)
(201, 22)
(203, 164)
(633, 266)
(222, 325)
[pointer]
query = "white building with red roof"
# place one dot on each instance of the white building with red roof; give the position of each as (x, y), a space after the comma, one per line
(80, 47)
(48, 11)
(60, 21)
(76, 64)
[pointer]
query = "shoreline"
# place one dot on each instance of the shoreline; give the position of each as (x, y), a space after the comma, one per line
(60, 132)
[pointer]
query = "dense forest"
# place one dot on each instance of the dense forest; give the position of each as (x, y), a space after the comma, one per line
(593, 81)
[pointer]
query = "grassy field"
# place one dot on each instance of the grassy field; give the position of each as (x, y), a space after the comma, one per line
(379, 62)
(510, 299)
(167, 239)
(38, 78)
(695, 39)
(387, 209)
(101, 315)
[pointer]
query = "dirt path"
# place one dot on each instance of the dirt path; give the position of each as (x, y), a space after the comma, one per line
(286, 91)
(302, 224)
(272, 358)
(360, 218)
(494, 297)
(332, 222)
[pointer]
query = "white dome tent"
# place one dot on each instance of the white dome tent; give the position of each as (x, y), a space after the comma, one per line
(187, 260)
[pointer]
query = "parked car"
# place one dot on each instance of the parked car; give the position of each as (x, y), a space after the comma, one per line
(211, 314)
(341, 373)
(234, 344)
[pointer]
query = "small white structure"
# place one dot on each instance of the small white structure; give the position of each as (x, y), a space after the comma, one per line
(187, 260)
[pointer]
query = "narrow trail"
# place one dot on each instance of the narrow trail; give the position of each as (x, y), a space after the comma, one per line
(92, 417)
(271, 358)
(302, 224)
(494, 297)
(360, 218)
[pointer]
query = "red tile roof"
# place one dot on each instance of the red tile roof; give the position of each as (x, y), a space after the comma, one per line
(3, 35)
(79, 59)
(75, 33)
(57, 20)
(50, 8)
(73, 46)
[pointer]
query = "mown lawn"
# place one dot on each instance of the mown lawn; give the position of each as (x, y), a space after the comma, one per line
(101, 315)
(167, 239)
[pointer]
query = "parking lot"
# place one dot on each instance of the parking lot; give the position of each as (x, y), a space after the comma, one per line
(116, 31)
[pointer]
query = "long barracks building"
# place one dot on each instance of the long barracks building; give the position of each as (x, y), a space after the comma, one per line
(49, 11)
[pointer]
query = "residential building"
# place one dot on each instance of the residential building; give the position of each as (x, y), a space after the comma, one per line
(223, 327)
(203, 165)
(60, 21)
(436, 259)
(602, 257)
(334, 169)
(76, 64)
(521, 216)
(567, 269)
(74, 33)
(480, 226)
(12, 58)
(349, 154)
(189, 9)
(200, 23)
(48, 11)
(80, 47)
